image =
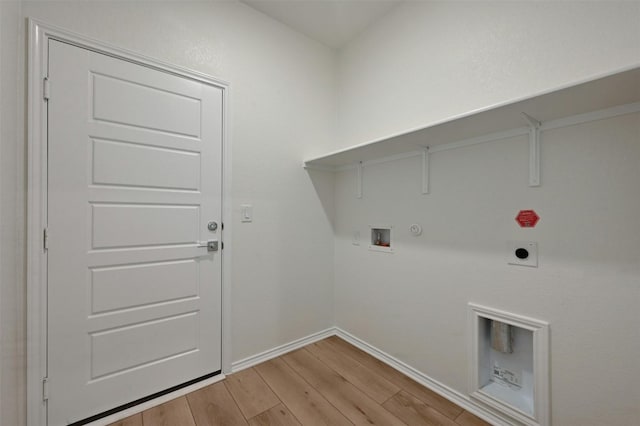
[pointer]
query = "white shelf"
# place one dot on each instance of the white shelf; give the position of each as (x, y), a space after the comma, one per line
(503, 120)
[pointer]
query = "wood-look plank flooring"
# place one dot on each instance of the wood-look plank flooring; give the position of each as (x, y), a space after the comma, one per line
(330, 382)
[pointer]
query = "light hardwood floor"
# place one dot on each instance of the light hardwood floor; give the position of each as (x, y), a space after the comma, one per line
(326, 383)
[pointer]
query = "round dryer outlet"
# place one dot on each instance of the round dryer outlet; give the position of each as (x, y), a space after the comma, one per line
(523, 253)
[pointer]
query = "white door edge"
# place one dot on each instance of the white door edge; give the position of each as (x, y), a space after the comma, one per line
(39, 35)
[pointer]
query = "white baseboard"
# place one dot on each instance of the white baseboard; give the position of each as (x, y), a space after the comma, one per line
(280, 350)
(446, 392)
(452, 395)
(156, 401)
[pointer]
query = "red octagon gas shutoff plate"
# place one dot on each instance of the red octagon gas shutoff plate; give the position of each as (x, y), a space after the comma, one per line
(527, 218)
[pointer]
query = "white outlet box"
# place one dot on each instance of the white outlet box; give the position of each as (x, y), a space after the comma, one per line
(522, 253)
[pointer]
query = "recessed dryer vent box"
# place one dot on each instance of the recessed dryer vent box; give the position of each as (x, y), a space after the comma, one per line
(381, 239)
(522, 253)
(509, 364)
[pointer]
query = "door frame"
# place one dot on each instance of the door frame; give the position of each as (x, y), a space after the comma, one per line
(37, 195)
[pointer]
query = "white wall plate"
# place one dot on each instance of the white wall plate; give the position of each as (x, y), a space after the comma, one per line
(522, 253)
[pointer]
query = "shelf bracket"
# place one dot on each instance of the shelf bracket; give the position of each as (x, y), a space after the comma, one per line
(425, 170)
(359, 180)
(534, 150)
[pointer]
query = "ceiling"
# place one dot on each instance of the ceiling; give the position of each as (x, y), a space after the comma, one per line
(332, 22)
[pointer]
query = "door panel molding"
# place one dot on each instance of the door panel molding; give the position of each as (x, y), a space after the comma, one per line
(39, 36)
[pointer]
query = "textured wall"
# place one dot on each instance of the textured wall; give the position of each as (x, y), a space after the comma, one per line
(282, 111)
(12, 210)
(412, 303)
(428, 61)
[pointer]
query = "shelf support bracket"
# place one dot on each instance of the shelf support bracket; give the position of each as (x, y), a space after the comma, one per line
(534, 150)
(359, 180)
(425, 170)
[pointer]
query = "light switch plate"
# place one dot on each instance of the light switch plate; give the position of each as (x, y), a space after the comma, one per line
(246, 213)
(355, 240)
(522, 253)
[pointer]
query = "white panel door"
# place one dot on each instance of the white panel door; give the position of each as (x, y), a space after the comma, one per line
(134, 304)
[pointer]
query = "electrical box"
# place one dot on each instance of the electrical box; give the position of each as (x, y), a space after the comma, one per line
(381, 239)
(522, 253)
(509, 364)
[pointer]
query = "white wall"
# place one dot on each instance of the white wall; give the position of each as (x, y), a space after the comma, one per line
(283, 92)
(412, 303)
(12, 262)
(427, 61)
(431, 60)
(424, 62)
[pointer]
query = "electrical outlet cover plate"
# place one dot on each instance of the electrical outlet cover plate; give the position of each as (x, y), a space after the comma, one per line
(522, 253)
(246, 213)
(356, 238)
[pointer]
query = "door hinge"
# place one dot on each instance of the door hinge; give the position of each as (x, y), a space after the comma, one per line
(45, 239)
(45, 389)
(46, 89)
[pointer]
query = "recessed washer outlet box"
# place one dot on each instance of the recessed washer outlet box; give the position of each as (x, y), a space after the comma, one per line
(381, 239)
(514, 382)
(522, 253)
